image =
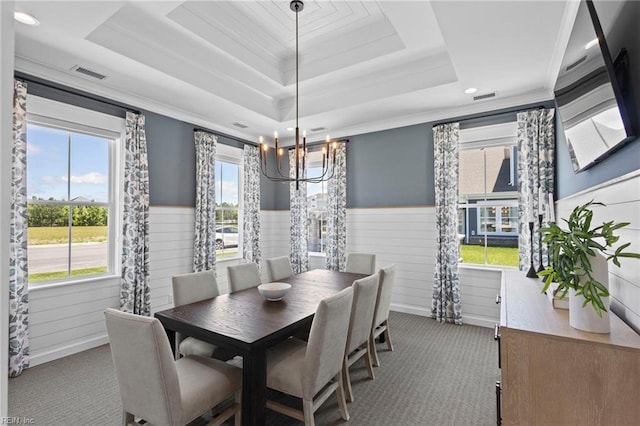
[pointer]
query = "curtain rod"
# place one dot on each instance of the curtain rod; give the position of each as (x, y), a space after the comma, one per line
(493, 114)
(71, 91)
(235, 138)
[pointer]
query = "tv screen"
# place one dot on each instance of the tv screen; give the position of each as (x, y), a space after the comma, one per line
(595, 117)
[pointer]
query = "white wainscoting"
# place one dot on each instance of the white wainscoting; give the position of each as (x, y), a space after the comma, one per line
(66, 319)
(622, 199)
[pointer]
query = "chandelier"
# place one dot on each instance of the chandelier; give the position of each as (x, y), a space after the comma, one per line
(300, 149)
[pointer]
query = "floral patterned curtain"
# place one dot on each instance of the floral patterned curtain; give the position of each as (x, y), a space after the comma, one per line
(445, 305)
(299, 221)
(135, 292)
(18, 271)
(251, 205)
(204, 246)
(337, 213)
(536, 142)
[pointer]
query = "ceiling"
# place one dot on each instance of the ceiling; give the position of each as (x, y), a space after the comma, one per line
(364, 65)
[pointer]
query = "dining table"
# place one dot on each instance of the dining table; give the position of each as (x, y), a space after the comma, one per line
(248, 324)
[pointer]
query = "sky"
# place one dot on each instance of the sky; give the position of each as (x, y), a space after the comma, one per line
(48, 171)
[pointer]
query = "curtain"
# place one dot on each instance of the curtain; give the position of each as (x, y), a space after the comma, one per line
(337, 213)
(134, 288)
(445, 305)
(204, 245)
(299, 220)
(536, 142)
(251, 205)
(18, 268)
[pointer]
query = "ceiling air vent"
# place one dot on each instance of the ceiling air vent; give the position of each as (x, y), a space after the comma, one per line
(576, 63)
(241, 125)
(487, 96)
(317, 129)
(88, 72)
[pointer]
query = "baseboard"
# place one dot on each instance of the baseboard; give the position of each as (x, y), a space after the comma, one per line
(480, 321)
(411, 310)
(41, 358)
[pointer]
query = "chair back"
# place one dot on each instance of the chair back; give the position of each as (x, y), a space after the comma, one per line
(387, 276)
(243, 276)
(327, 340)
(361, 263)
(146, 371)
(194, 287)
(279, 268)
(365, 293)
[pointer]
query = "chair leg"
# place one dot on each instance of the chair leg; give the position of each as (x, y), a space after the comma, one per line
(341, 401)
(367, 360)
(307, 409)
(238, 414)
(387, 336)
(374, 352)
(127, 418)
(346, 380)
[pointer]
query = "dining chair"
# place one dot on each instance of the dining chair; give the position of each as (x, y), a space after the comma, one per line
(190, 288)
(361, 263)
(365, 292)
(243, 276)
(160, 390)
(279, 268)
(381, 317)
(312, 371)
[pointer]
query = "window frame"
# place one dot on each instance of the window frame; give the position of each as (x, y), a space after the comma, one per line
(58, 115)
(233, 155)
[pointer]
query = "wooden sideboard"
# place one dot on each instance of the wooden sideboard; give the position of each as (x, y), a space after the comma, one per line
(553, 374)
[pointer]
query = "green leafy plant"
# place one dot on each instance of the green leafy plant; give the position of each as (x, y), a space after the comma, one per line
(571, 250)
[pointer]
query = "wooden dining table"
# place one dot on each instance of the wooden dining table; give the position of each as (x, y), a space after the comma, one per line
(248, 324)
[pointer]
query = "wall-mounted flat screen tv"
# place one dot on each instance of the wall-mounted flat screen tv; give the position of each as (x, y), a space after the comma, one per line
(596, 111)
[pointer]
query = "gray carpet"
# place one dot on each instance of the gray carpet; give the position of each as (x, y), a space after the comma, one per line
(439, 374)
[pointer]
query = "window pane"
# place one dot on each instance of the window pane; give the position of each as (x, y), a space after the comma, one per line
(48, 250)
(47, 165)
(89, 168)
(317, 213)
(227, 188)
(90, 246)
(488, 206)
(227, 202)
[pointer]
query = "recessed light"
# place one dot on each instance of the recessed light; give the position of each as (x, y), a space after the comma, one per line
(25, 18)
(470, 90)
(591, 44)
(291, 129)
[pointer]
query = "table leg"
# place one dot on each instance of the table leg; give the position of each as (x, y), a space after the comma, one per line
(171, 335)
(254, 385)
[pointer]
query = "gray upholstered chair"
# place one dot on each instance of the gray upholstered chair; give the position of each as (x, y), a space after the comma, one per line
(190, 288)
(279, 268)
(381, 317)
(365, 292)
(158, 389)
(243, 276)
(361, 263)
(312, 371)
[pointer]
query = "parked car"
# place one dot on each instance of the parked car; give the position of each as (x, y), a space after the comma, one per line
(226, 236)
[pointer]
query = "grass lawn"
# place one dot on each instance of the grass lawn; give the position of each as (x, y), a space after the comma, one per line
(502, 256)
(46, 276)
(60, 234)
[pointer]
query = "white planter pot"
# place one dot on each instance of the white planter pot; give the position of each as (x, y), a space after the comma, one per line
(586, 318)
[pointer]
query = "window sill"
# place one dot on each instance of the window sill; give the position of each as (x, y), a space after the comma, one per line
(228, 259)
(474, 266)
(65, 283)
(316, 254)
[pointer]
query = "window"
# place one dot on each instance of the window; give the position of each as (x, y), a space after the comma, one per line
(317, 206)
(71, 207)
(228, 202)
(488, 198)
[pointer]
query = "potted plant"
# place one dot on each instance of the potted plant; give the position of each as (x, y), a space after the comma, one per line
(578, 260)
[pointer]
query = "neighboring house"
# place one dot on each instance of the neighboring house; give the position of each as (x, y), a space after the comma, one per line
(488, 196)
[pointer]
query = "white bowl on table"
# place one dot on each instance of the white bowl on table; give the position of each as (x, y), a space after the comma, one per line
(274, 291)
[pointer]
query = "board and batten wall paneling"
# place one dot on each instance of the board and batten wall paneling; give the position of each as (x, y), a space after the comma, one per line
(622, 199)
